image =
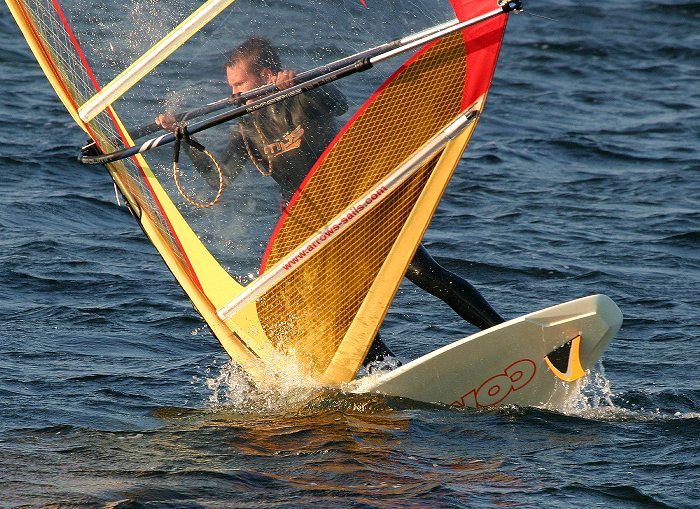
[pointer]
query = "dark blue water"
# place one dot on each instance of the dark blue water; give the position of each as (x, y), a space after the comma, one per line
(583, 177)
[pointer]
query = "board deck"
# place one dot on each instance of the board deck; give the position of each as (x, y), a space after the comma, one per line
(539, 359)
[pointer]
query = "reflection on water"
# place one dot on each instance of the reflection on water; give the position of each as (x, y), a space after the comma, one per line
(334, 445)
(298, 443)
(307, 445)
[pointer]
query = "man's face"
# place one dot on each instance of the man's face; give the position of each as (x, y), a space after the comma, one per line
(241, 79)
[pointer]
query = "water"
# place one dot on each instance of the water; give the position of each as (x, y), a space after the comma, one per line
(582, 178)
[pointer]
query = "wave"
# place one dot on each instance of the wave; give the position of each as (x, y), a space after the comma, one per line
(596, 400)
(684, 239)
(608, 493)
(671, 8)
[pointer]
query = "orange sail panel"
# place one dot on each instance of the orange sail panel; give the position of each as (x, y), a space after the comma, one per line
(311, 310)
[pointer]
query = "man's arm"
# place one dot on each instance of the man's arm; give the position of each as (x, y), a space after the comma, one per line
(326, 100)
(232, 159)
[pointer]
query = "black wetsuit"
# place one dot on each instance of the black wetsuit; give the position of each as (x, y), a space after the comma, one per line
(284, 140)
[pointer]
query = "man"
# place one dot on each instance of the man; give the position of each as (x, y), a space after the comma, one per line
(285, 139)
(282, 140)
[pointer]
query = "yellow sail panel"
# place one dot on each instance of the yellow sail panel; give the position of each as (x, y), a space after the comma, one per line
(334, 283)
(393, 125)
(208, 285)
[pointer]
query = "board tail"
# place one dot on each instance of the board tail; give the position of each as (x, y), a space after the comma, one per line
(539, 359)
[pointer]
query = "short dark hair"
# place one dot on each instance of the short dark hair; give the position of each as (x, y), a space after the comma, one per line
(258, 53)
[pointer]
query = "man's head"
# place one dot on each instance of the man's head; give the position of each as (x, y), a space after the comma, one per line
(253, 64)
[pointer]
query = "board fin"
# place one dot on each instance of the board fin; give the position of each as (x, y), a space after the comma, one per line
(565, 361)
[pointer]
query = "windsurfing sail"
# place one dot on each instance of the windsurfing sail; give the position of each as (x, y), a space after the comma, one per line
(288, 213)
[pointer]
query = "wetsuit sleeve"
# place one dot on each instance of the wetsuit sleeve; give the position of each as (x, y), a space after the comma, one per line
(326, 100)
(232, 160)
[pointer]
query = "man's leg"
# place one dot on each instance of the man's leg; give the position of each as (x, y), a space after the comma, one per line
(378, 351)
(461, 296)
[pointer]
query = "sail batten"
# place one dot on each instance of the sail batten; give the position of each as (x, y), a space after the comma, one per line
(149, 60)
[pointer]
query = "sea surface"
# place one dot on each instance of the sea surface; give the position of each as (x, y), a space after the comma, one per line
(583, 177)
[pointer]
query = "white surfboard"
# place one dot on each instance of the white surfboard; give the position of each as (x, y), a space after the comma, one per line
(539, 359)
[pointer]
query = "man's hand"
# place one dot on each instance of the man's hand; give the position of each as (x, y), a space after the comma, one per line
(167, 121)
(285, 79)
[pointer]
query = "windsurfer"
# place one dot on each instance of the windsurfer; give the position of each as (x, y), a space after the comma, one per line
(285, 139)
(282, 140)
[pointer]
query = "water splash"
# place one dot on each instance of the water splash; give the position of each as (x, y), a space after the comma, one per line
(378, 368)
(597, 390)
(199, 330)
(596, 400)
(287, 389)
